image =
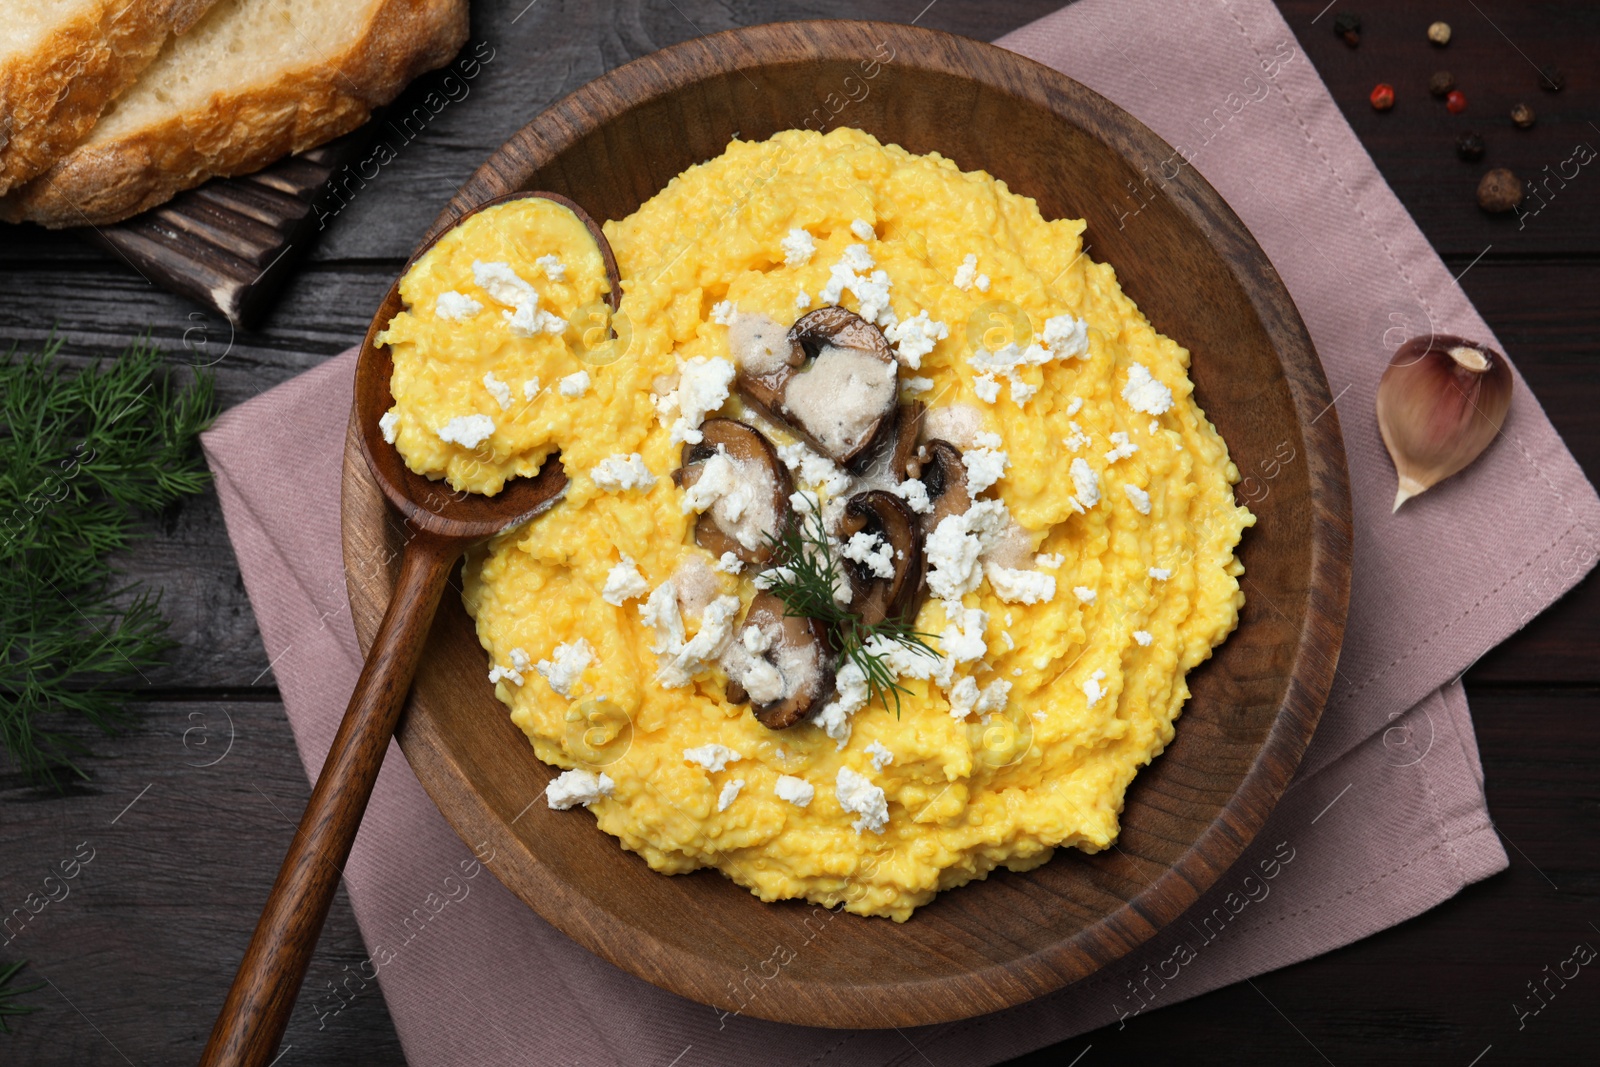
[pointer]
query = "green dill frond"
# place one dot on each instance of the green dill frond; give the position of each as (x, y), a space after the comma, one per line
(9, 995)
(84, 456)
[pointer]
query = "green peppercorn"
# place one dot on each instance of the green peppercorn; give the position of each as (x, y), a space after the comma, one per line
(1441, 83)
(1470, 147)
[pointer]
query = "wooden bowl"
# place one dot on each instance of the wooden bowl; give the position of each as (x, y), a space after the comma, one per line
(1199, 276)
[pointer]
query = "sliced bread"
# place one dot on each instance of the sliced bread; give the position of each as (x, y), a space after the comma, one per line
(63, 61)
(252, 81)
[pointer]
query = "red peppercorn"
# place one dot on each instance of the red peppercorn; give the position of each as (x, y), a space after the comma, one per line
(1456, 102)
(1382, 97)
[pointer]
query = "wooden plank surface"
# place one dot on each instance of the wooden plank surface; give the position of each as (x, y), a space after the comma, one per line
(147, 958)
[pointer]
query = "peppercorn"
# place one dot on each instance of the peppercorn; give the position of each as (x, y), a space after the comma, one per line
(1499, 190)
(1523, 116)
(1551, 80)
(1439, 33)
(1382, 96)
(1469, 146)
(1348, 28)
(1441, 83)
(1456, 101)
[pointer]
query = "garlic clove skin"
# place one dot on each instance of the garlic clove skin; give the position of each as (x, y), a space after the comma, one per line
(1441, 401)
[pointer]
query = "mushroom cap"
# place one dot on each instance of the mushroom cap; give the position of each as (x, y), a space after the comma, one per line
(812, 680)
(945, 476)
(749, 447)
(875, 599)
(827, 334)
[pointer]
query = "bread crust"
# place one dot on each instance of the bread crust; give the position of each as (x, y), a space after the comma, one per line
(51, 96)
(242, 131)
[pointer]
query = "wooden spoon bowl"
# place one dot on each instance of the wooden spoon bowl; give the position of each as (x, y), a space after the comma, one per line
(1194, 269)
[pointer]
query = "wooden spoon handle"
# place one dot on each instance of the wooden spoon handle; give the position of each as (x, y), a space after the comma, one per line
(253, 1017)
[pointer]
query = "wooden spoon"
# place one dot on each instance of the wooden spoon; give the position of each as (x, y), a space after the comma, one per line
(440, 524)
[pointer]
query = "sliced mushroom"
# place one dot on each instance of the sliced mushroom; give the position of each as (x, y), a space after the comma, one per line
(744, 523)
(907, 428)
(938, 465)
(837, 388)
(792, 675)
(876, 598)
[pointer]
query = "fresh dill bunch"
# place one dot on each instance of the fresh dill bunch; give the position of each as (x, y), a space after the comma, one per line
(9, 994)
(803, 579)
(83, 454)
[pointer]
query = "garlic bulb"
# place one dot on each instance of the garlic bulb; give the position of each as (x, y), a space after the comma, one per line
(1441, 401)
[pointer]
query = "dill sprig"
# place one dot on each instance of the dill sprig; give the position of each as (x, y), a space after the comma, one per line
(82, 455)
(805, 566)
(9, 994)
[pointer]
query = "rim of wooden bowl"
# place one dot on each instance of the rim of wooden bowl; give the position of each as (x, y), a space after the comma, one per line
(946, 997)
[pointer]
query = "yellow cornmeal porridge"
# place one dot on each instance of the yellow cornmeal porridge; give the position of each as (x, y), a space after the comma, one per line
(1102, 517)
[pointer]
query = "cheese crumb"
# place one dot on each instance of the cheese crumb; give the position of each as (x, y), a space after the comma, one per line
(553, 268)
(1019, 586)
(730, 792)
(468, 431)
(796, 791)
(569, 662)
(529, 320)
(984, 467)
(1160, 574)
(530, 388)
(915, 493)
(966, 272)
(802, 300)
(915, 337)
(880, 755)
(722, 312)
(1084, 593)
(1139, 498)
(624, 583)
(514, 673)
(953, 548)
(702, 388)
(619, 472)
(1093, 689)
(863, 230)
(982, 282)
(987, 388)
(1144, 393)
(834, 718)
(502, 283)
(578, 786)
(859, 796)
(713, 757)
(1143, 637)
(919, 385)
(389, 426)
(1124, 448)
(728, 563)
(872, 552)
(1049, 561)
(994, 696)
(574, 385)
(1067, 338)
(454, 307)
(1074, 406)
(497, 389)
(798, 247)
(1086, 483)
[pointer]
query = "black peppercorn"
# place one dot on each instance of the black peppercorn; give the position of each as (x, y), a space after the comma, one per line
(1348, 27)
(1551, 79)
(1522, 116)
(1499, 190)
(1469, 146)
(1441, 83)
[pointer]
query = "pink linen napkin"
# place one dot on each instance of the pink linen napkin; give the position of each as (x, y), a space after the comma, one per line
(1387, 816)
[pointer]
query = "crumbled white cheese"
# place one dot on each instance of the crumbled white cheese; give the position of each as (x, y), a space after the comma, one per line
(802, 300)
(497, 389)
(834, 718)
(953, 548)
(880, 755)
(570, 660)
(966, 272)
(1078, 438)
(915, 337)
(468, 431)
(619, 472)
(530, 388)
(702, 388)
(501, 282)
(1092, 687)
(1138, 497)
(389, 426)
(1084, 593)
(1160, 574)
(987, 388)
(730, 792)
(728, 563)
(984, 467)
(691, 657)
(513, 673)
(1022, 392)
(738, 493)
(859, 796)
(661, 614)
(963, 697)
(453, 306)
(815, 470)
(1049, 561)
(962, 639)
(915, 493)
(722, 312)
(1019, 586)
(530, 320)
(982, 283)
(871, 291)
(919, 384)
(577, 786)
(1074, 406)
(574, 385)
(713, 757)
(1124, 447)
(1085, 483)
(1144, 393)
(1155, 426)
(872, 552)
(1067, 337)
(553, 268)
(986, 439)
(798, 248)
(1143, 637)
(863, 230)
(993, 697)
(796, 791)
(623, 583)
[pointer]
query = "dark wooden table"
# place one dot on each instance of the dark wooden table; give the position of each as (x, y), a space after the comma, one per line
(140, 953)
